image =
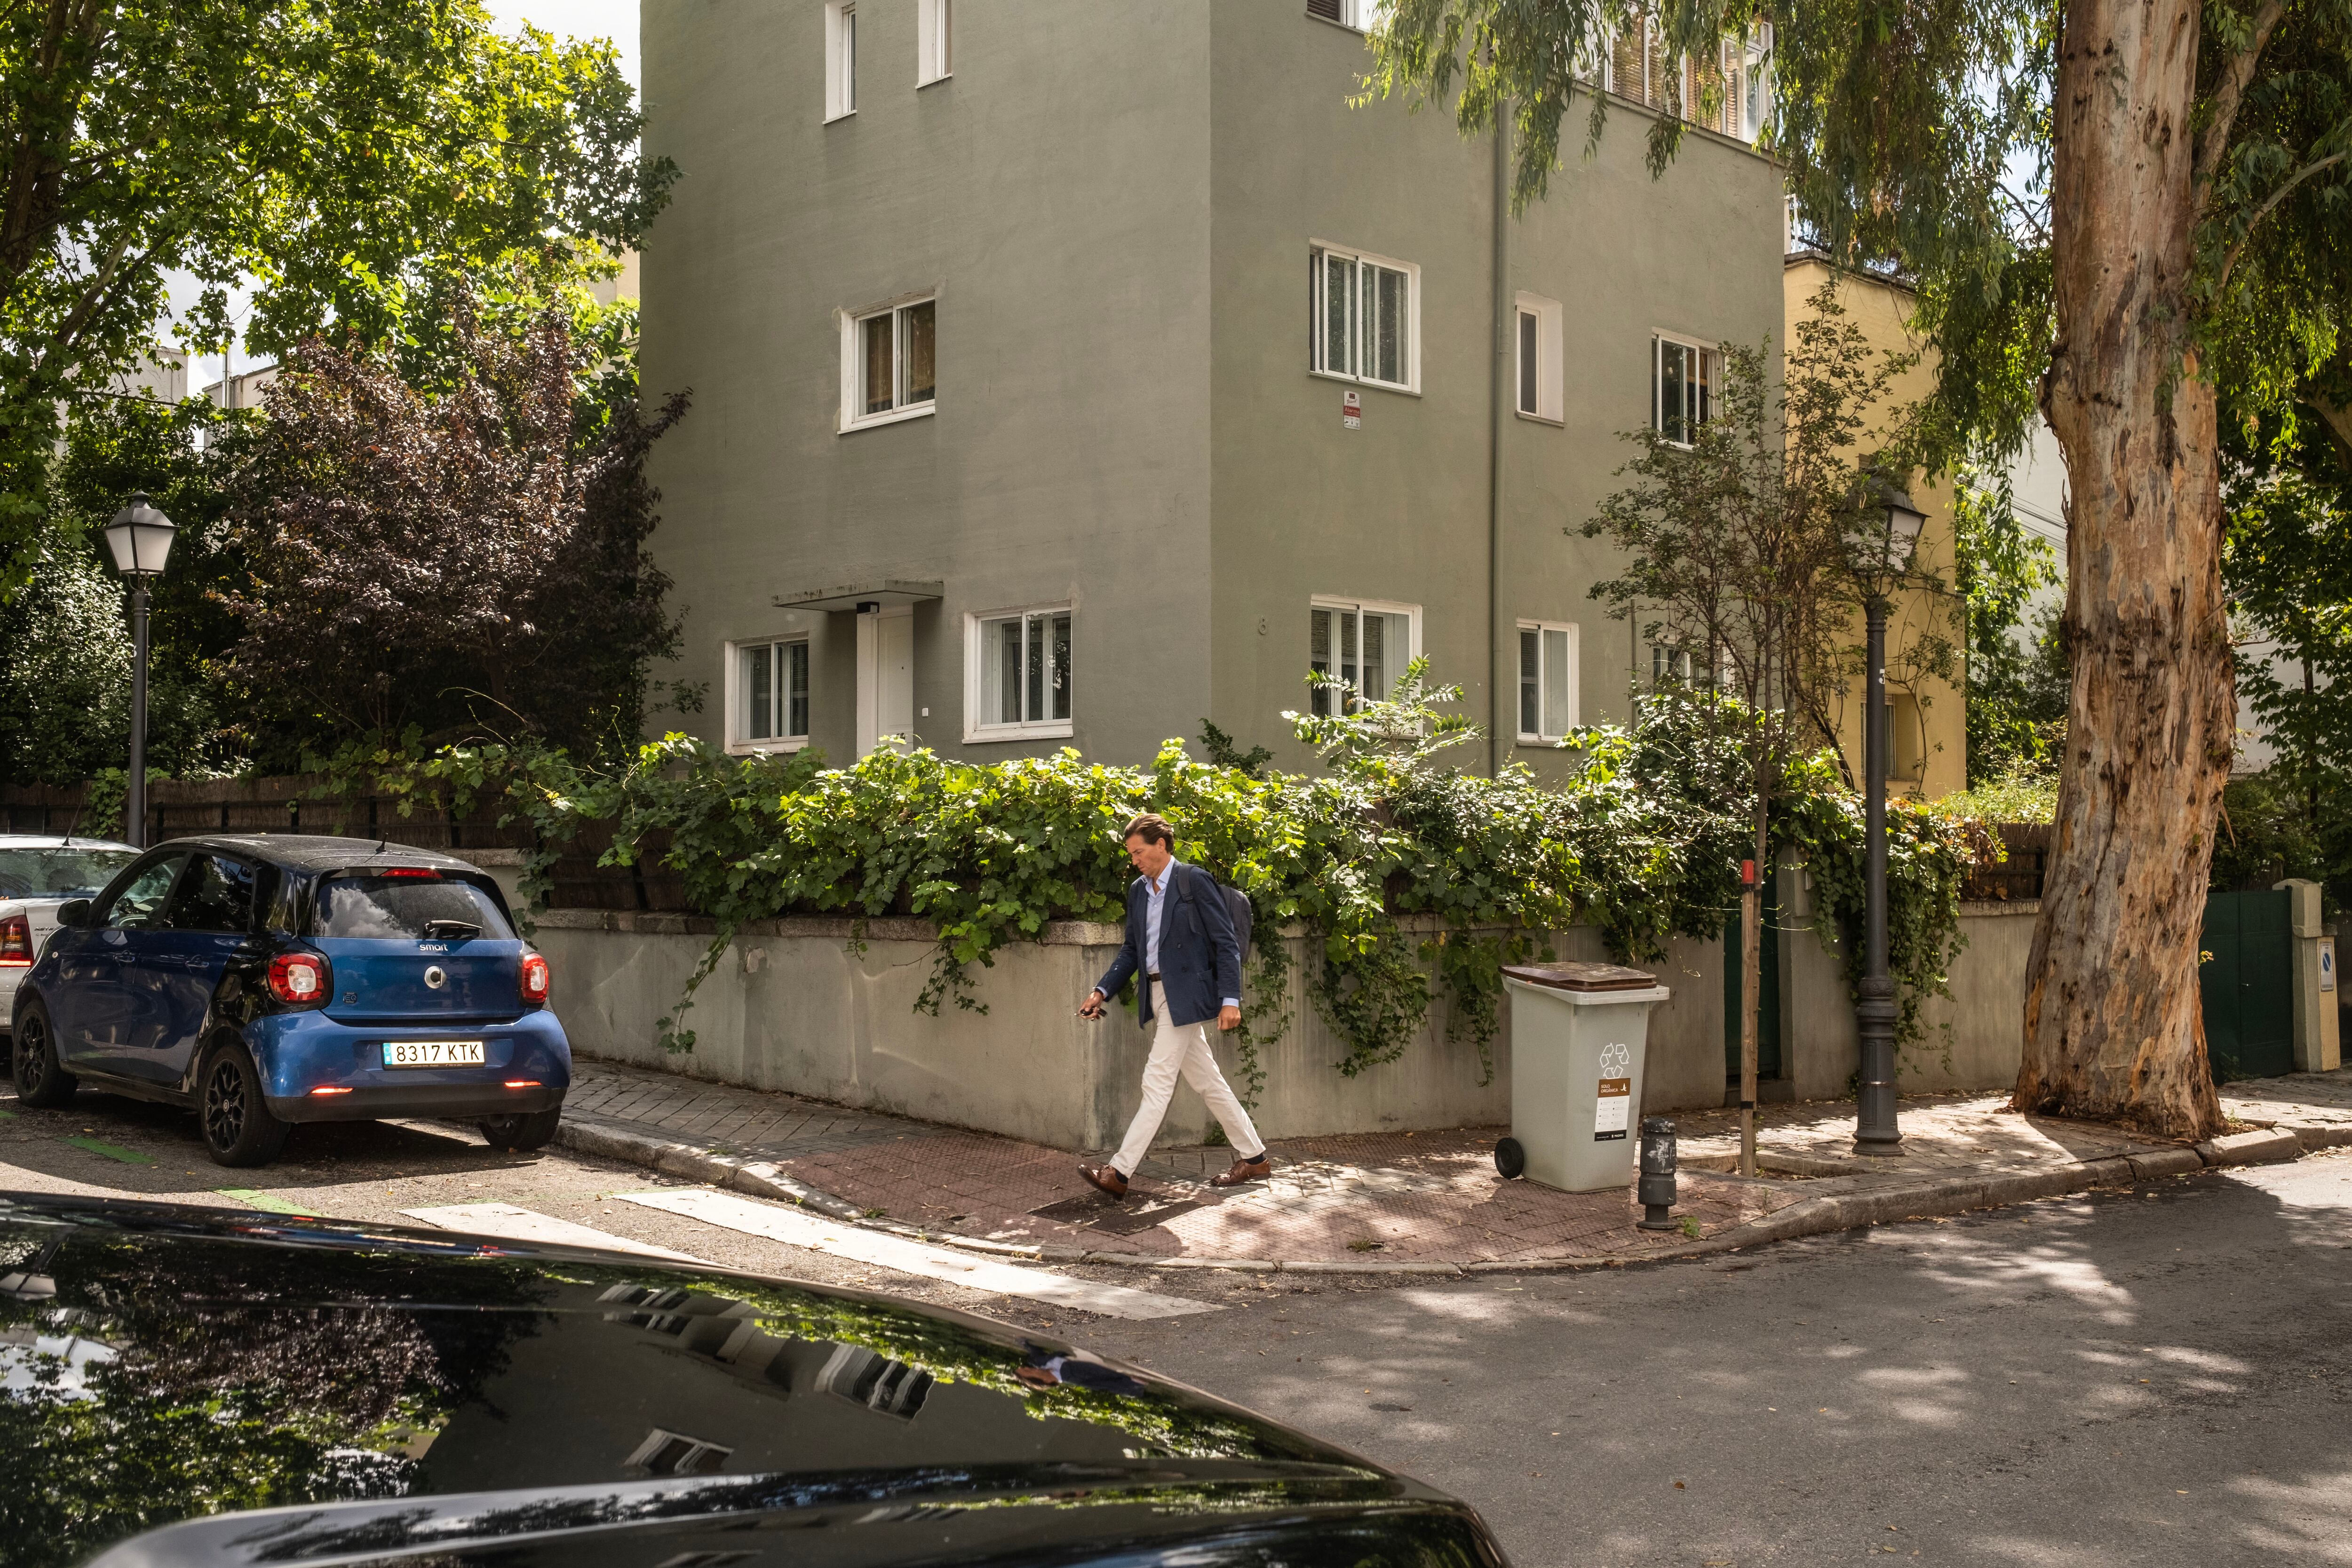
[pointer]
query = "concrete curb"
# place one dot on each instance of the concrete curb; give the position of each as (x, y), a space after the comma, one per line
(1927, 1198)
(2267, 1147)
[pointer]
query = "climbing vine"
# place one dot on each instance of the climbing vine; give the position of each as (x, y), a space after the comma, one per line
(1642, 843)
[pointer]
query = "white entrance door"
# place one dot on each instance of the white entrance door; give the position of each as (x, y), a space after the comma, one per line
(886, 675)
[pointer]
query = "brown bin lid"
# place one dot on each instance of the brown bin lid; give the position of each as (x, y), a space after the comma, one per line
(1581, 976)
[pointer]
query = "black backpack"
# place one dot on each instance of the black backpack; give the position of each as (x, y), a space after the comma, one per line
(1237, 908)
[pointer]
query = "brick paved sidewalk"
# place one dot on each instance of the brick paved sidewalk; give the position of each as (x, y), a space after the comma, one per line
(1407, 1200)
(1401, 1198)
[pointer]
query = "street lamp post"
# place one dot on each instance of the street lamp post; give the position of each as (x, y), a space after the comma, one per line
(140, 539)
(1883, 554)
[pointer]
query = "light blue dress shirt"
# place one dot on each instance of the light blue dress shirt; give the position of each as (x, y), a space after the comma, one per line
(1155, 896)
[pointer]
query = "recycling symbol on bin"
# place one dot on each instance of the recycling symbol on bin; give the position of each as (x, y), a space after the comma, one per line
(1616, 1061)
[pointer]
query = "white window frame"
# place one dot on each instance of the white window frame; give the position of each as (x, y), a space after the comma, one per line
(976, 649)
(853, 363)
(840, 59)
(1574, 677)
(738, 742)
(1755, 105)
(1365, 606)
(1658, 342)
(1549, 369)
(934, 41)
(1356, 15)
(1317, 276)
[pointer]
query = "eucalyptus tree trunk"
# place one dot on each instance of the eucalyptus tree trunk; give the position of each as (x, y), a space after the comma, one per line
(2113, 1026)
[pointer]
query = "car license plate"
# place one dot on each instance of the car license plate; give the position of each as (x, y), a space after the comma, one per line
(433, 1053)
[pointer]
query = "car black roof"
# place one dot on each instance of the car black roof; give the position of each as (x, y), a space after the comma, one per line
(319, 852)
(563, 1406)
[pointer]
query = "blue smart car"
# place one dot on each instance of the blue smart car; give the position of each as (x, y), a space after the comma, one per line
(262, 981)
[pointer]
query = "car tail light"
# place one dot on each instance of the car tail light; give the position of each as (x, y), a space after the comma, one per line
(522, 1083)
(301, 979)
(536, 980)
(17, 942)
(323, 1092)
(425, 871)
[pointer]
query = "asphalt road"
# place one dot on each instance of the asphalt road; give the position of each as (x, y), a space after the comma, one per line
(2155, 1376)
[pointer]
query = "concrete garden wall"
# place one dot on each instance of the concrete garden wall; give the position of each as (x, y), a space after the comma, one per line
(796, 1005)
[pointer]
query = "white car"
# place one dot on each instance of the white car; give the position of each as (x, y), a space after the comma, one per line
(38, 873)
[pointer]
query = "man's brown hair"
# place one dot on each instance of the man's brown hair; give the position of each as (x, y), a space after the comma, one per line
(1152, 828)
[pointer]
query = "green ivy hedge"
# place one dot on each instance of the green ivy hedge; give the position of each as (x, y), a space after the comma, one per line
(1644, 843)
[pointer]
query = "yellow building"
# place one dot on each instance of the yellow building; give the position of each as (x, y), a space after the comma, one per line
(1928, 739)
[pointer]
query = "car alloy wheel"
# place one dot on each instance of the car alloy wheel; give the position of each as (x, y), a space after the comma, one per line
(225, 1106)
(41, 1079)
(239, 1127)
(520, 1132)
(32, 1058)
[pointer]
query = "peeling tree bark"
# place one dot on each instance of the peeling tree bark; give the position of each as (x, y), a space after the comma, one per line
(2112, 1023)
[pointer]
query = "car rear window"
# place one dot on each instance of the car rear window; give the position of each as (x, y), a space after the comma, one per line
(61, 873)
(393, 908)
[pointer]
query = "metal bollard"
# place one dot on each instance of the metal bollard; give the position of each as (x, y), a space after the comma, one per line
(1656, 1188)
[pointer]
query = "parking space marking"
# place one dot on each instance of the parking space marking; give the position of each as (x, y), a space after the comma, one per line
(112, 1152)
(253, 1199)
(729, 1211)
(507, 1222)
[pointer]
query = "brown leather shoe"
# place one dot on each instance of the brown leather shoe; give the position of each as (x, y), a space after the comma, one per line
(1106, 1178)
(1257, 1170)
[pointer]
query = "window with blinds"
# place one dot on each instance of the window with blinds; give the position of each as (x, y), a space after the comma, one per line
(1725, 90)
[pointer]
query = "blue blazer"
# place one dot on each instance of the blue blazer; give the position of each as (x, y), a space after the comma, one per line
(1200, 956)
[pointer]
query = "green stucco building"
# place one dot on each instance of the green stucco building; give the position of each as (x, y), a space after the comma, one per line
(1066, 372)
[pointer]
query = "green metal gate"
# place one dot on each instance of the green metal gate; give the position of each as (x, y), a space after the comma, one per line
(2248, 984)
(1768, 1003)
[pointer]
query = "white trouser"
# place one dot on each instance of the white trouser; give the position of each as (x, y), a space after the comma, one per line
(1182, 1049)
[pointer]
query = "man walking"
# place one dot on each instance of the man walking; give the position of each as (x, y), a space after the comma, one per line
(1180, 944)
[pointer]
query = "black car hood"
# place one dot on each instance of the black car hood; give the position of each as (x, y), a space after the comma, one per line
(183, 1386)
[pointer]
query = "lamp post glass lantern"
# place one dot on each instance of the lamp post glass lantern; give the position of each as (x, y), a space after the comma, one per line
(1885, 546)
(140, 539)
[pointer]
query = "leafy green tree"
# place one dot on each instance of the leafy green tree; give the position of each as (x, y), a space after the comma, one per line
(2178, 233)
(345, 160)
(2016, 717)
(1738, 544)
(2288, 561)
(65, 700)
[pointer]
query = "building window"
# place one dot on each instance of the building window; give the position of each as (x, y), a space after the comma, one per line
(934, 41)
(771, 695)
(1547, 680)
(840, 59)
(1357, 14)
(1540, 393)
(1366, 646)
(1366, 317)
(1669, 663)
(671, 1454)
(1752, 93)
(1019, 680)
(889, 363)
(1682, 388)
